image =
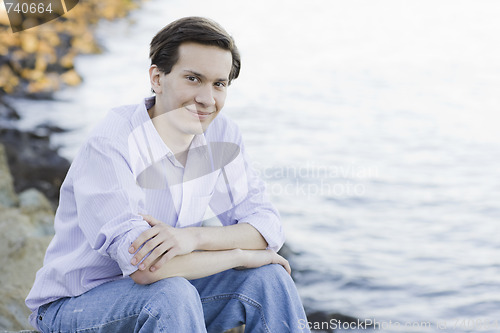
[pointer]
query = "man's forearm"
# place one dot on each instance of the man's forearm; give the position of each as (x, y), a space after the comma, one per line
(162, 242)
(238, 236)
(193, 265)
(199, 264)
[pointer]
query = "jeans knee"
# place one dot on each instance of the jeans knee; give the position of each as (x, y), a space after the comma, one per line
(176, 288)
(271, 276)
(276, 272)
(173, 305)
(175, 292)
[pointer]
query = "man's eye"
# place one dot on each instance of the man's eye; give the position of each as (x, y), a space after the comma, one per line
(192, 78)
(220, 84)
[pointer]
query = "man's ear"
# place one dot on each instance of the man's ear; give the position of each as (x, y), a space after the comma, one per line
(154, 78)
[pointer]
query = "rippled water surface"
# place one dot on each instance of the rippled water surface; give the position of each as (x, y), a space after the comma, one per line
(375, 125)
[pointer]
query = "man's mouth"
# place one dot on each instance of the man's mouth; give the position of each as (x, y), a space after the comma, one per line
(200, 114)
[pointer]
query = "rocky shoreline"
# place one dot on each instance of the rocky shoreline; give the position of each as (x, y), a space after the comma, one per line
(34, 64)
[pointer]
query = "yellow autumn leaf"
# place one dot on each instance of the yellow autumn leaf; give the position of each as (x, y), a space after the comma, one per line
(71, 78)
(48, 51)
(52, 38)
(48, 83)
(8, 80)
(41, 63)
(29, 42)
(67, 60)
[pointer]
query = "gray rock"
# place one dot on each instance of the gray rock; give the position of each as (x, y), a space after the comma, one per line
(8, 197)
(34, 162)
(14, 229)
(33, 200)
(34, 204)
(24, 238)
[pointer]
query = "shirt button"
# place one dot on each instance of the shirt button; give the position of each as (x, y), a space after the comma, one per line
(40, 318)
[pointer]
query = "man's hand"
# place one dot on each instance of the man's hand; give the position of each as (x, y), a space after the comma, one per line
(164, 241)
(258, 258)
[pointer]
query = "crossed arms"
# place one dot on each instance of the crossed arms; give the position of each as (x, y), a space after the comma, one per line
(198, 251)
(107, 196)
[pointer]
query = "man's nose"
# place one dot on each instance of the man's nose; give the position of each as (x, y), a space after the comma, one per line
(205, 96)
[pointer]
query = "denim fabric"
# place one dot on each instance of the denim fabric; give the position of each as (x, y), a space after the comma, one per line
(265, 299)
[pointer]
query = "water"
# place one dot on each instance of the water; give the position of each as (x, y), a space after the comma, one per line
(374, 124)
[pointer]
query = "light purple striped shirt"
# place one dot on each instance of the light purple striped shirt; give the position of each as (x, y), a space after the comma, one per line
(123, 169)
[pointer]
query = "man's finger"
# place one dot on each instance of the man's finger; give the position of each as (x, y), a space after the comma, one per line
(286, 265)
(156, 254)
(147, 247)
(288, 268)
(164, 259)
(151, 220)
(143, 238)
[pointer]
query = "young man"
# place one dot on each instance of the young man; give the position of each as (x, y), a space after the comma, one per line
(130, 253)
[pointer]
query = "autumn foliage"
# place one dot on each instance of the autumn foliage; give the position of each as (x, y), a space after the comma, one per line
(39, 61)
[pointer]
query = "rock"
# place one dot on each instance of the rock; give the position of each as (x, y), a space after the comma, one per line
(39, 209)
(37, 64)
(17, 279)
(71, 78)
(14, 228)
(32, 201)
(45, 130)
(7, 195)
(325, 320)
(34, 162)
(24, 237)
(7, 112)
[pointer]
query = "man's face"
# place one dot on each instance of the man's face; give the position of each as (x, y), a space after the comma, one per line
(195, 90)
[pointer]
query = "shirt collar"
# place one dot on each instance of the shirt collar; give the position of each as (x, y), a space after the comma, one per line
(144, 129)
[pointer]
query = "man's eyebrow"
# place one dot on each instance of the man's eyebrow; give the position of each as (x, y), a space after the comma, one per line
(203, 76)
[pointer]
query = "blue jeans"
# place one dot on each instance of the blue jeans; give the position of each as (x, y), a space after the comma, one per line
(264, 298)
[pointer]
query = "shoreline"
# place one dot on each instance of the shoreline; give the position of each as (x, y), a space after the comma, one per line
(34, 67)
(34, 64)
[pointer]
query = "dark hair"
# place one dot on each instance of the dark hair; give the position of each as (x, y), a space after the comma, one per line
(164, 47)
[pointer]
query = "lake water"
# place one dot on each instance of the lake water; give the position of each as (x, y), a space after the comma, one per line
(375, 126)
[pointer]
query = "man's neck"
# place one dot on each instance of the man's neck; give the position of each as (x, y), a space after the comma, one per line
(175, 140)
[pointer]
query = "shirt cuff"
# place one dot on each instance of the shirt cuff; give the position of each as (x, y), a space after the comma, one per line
(271, 229)
(119, 250)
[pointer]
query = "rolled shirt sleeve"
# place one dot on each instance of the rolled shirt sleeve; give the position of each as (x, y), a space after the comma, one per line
(108, 201)
(118, 250)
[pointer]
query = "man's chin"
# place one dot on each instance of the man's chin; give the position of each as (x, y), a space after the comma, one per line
(205, 123)
(200, 127)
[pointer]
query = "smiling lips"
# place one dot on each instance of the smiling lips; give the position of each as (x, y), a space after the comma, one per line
(199, 114)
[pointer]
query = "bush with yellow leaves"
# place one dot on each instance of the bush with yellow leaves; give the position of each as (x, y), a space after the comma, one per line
(39, 61)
